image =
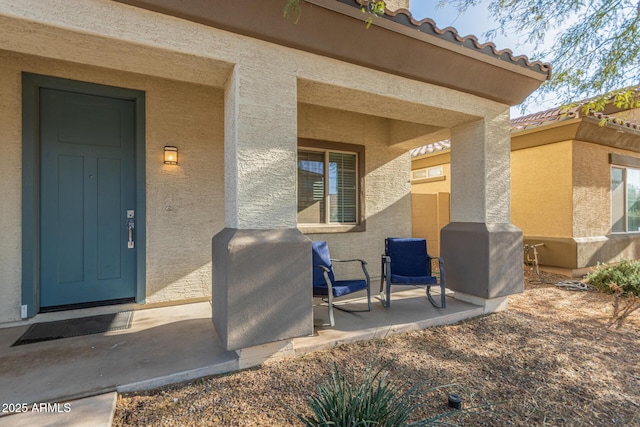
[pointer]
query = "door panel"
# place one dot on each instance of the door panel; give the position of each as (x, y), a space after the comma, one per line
(87, 184)
(109, 219)
(69, 229)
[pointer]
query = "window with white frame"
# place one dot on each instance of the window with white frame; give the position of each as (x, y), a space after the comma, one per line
(625, 199)
(327, 186)
(425, 173)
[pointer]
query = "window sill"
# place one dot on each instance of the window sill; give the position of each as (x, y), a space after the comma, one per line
(430, 179)
(330, 228)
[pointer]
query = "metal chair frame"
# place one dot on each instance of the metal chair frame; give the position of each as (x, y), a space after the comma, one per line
(385, 278)
(329, 298)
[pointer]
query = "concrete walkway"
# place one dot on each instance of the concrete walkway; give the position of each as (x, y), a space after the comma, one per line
(168, 345)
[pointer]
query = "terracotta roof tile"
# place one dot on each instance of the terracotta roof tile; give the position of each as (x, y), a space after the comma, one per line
(557, 114)
(428, 26)
(431, 148)
(614, 120)
(545, 117)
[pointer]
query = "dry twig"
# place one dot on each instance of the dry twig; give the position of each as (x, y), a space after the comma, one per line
(622, 311)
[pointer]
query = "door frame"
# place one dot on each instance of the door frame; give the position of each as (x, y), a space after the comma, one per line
(31, 84)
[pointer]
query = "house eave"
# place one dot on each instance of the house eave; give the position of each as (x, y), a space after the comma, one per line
(584, 129)
(386, 46)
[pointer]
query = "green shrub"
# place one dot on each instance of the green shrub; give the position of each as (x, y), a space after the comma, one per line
(626, 274)
(373, 401)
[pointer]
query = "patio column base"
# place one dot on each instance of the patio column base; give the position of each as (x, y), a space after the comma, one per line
(261, 289)
(483, 260)
(254, 356)
(491, 305)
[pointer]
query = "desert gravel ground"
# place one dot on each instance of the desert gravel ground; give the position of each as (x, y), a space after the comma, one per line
(549, 360)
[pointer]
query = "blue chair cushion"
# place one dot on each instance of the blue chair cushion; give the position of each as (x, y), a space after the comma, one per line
(396, 279)
(340, 287)
(408, 257)
(320, 251)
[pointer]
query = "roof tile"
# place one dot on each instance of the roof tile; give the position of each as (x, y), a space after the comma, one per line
(428, 26)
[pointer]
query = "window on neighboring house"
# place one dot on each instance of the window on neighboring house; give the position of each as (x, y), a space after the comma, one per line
(625, 199)
(328, 185)
(425, 173)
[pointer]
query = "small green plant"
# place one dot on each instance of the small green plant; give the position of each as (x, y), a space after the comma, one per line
(293, 8)
(372, 401)
(625, 274)
(623, 281)
(374, 8)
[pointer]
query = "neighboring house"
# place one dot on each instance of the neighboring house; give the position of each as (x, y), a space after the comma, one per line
(284, 132)
(575, 185)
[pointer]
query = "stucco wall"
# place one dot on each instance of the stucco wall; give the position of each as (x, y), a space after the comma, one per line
(429, 213)
(387, 187)
(432, 186)
(541, 190)
(185, 203)
(591, 189)
(10, 195)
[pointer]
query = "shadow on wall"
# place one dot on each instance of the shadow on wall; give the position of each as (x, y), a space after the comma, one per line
(610, 249)
(270, 299)
(580, 253)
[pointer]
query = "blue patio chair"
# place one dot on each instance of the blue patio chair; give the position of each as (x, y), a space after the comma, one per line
(326, 286)
(406, 262)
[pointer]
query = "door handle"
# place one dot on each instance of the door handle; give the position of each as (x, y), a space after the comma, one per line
(131, 224)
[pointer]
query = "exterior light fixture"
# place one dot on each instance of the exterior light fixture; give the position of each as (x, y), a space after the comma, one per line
(170, 155)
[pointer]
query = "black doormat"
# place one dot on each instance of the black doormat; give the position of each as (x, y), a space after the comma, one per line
(48, 331)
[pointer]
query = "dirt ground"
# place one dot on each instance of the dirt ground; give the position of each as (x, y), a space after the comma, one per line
(549, 360)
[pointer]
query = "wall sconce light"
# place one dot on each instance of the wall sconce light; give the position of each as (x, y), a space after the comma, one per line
(170, 155)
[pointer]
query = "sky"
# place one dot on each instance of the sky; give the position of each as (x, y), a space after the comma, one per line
(477, 21)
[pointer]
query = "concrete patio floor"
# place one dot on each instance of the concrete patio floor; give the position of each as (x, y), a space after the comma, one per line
(178, 343)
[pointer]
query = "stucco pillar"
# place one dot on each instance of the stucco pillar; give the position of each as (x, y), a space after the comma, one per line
(261, 263)
(481, 248)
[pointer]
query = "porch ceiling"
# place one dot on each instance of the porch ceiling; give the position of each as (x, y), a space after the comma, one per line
(410, 124)
(35, 38)
(342, 98)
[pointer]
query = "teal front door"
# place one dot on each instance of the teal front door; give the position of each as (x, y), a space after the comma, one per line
(87, 198)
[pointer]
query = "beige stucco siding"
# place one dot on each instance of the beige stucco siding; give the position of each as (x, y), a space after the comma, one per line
(10, 193)
(185, 203)
(591, 189)
(541, 177)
